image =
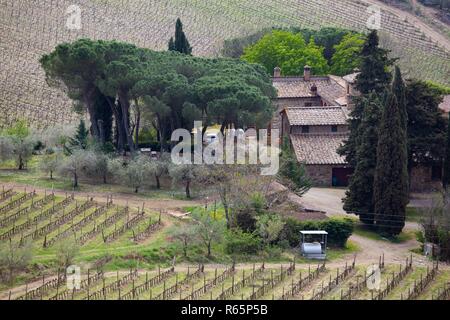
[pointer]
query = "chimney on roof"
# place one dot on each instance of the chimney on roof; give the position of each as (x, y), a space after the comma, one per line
(277, 72)
(314, 90)
(307, 73)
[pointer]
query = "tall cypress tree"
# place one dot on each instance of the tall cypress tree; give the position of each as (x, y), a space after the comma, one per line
(180, 43)
(391, 174)
(374, 77)
(375, 74)
(446, 178)
(399, 90)
(360, 193)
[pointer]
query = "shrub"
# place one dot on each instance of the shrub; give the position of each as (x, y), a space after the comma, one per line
(339, 230)
(242, 243)
(246, 220)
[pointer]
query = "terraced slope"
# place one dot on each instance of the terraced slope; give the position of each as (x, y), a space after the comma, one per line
(30, 28)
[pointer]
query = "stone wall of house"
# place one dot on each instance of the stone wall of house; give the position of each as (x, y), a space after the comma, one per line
(281, 104)
(421, 180)
(321, 175)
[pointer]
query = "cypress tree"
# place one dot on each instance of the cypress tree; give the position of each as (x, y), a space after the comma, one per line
(446, 178)
(360, 193)
(391, 174)
(399, 90)
(180, 43)
(172, 44)
(375, 75)
(79, 140)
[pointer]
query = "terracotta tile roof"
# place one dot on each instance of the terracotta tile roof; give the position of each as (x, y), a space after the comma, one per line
(319, 116)
(318, 149)
(328, 88)
(445, 105)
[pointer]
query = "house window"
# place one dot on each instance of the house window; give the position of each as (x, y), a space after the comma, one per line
(305, 129)
(334, 129)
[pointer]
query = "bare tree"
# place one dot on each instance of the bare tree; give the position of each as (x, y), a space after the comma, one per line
(236, 185)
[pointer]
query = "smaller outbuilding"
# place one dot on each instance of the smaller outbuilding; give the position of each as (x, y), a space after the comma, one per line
(314, 244)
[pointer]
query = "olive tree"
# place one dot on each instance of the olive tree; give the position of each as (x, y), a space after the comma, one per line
(208, 229)
(186, 174)
(133, 173)
(66, 252)
(158, 168)
(14, 258)
(185, 235)
(50, 163)
(75, 165)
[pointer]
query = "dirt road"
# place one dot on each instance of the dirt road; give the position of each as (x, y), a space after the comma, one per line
(328, 200)
(118, 198)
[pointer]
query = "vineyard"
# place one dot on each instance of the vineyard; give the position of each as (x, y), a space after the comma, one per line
(45, 220)
(31, 28)
(246, 282)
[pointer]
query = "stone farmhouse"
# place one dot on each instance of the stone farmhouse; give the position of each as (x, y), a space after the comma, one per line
(313, 112)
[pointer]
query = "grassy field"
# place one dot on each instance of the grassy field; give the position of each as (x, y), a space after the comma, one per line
(367, 232)
(32, 176)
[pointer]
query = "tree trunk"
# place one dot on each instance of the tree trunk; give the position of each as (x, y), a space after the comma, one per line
(120, 144)
(75, 180)
(138, 124)
(87, 98)
(21, 164)
(51, 174)
(227, 215)
(188, 189)
(102, 136)
(125, 105)
(11, 275)
(158, 184)
(209, 248)
(161, 133)
(185, 248)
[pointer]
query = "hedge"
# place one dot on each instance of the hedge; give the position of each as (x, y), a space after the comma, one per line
(242, 243)
(339, 230)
